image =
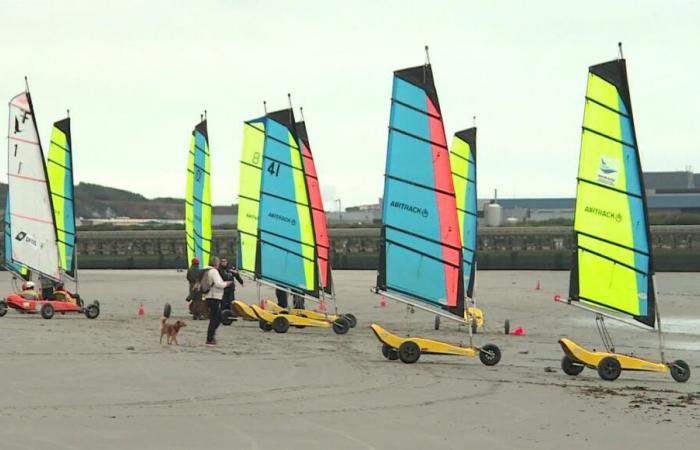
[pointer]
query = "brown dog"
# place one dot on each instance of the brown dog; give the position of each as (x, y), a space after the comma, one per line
(170, 330)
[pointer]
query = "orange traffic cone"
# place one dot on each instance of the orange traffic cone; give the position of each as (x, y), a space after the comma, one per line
(322, 306)
(520, 331)
(382, 302)
(142, 311)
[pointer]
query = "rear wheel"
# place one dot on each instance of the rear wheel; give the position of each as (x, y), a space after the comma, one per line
(680, 371)
(280, 324)
(47, 311)
(227, 317)
(490, 355)
(352, 320)
(571, 367)
(92, 311)
(3, 308)
(609, 368)
(166, 311)
(265, 326)
(474, 327)
(341, 326)
(437, 322)
(409, 352)
(389, 352)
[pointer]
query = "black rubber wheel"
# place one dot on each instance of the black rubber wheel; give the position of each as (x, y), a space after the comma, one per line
(280, 324)
(166, 310)
(490, 355)
(352, 320)
(474, 327)
(47, 311)
(409, 352)
(341, 326)
(227, 317)
(680, 371)
(92, 311)
(609, 368)
(506, 326)
(437, 322)
(389, 352)
(3, 308)
(571, 367)
(264, 325)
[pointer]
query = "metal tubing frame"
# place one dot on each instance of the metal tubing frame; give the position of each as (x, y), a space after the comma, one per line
(609, 316)
(419, 306)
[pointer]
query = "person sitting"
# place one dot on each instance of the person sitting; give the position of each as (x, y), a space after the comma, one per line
(60, 293)
(28, 291)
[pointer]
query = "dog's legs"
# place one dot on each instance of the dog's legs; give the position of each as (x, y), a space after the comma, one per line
(161, 338)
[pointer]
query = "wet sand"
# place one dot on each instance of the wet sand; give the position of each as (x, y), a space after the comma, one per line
(70, 382)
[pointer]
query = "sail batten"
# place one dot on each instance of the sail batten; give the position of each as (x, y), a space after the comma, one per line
(421, 249)
(613, 264)
(198, 196)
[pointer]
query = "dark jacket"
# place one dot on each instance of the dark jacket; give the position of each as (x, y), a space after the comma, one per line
(229, 274)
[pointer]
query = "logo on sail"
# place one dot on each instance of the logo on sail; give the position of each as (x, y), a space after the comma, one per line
(617, 217)
(24, 237)
(411, 208)
(608, 170)
(282, 218)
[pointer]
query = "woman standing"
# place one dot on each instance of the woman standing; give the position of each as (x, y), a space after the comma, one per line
(213, 289)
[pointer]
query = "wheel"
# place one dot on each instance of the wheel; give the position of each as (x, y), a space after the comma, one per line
(264, 325)
(166, 311)
(390, 353)
(280, 324)
(92, 311)
(437, 322)
(409, 352)
(474, 327)
(227, 317)
(680, 371)
(506, 326)
(341, 326)
(3, 308)
(352, 320)
(609, 368)
(490, 355)
(571, 367)
(47, 311)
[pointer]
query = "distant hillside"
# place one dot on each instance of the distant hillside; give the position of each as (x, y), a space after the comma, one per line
(102, 202)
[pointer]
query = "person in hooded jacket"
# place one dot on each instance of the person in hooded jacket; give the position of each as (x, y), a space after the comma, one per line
(213, 286)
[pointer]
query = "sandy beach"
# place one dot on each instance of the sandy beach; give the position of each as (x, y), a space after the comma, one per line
(71, 383)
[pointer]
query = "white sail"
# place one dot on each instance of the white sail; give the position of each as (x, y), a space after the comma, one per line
(33, 230)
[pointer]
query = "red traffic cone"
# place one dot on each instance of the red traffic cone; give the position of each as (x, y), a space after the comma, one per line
(322, 306)
(537, 287)
(382, 302)
(142, 311)
(520, 331)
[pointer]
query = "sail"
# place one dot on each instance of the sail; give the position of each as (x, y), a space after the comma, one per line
(198, 197)
(318, 213)
(60, 169)
(32, 226)
(612, 265)
(463, 163)
(421, 250)
(9, 263)
(286, 241)
(249, 193)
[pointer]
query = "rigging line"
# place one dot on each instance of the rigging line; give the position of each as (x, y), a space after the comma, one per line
(613, 243)
(414, 108)
(420, 236)
(418, 252)
(610, 307)
(413, 183)
(428, 141)
(600, 185)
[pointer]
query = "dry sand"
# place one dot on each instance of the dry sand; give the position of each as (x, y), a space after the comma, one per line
(70, 382)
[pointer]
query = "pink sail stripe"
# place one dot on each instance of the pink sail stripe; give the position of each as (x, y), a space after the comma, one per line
(15, 138)
(33, 219)
(14, 175)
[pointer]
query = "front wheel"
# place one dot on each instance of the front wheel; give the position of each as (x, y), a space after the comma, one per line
(227, 317)
(490, 355)
(571, 367)
(92, 311)
(506, 326)
(280, 324)
(47, 311)
(352, 320)
(341, 326)
(3, 308)
(389, 352)
(409, 352)
(680, 371)
(609, 368)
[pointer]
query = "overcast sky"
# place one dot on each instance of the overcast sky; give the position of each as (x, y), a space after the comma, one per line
(136, 76)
